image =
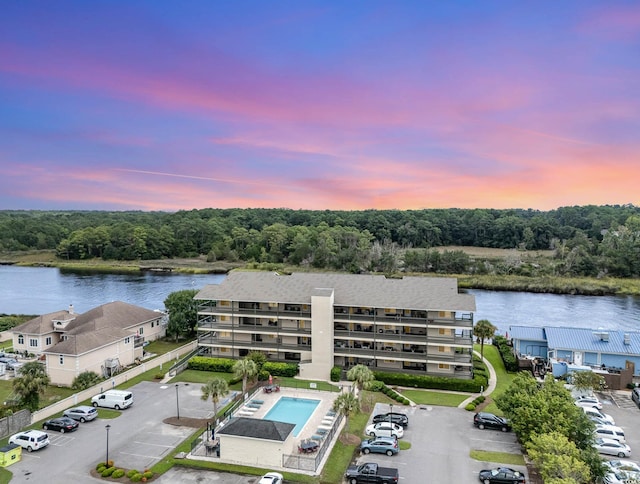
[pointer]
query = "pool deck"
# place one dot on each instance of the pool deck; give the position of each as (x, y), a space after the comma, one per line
(314, 422)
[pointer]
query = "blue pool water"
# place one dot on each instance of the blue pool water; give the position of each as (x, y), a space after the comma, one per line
(292, 410)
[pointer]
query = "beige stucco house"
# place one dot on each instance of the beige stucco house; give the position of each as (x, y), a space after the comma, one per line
(102, 340)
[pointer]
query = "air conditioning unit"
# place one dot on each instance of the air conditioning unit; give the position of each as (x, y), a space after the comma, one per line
(627, 339)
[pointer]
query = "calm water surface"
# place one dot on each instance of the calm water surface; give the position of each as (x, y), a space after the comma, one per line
(36, 290)
(41, 290)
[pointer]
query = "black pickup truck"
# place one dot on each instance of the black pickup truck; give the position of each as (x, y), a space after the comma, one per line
(371, 472)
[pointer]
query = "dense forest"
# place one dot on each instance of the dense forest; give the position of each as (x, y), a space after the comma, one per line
(587, 240)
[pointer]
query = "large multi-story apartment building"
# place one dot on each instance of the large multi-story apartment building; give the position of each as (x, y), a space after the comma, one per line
(411, 324)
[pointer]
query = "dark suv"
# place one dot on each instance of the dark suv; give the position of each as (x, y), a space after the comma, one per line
(635, 396)
(485, 420)
(396, 418)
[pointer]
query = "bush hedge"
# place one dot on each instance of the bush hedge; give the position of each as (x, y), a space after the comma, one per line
(225, 365)
(336, 373)
(506, 352)
(433, 382)
(117, 474)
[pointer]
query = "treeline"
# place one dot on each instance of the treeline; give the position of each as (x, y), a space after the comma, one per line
(587, 241)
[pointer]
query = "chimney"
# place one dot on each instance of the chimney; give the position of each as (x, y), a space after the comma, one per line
(71, 309)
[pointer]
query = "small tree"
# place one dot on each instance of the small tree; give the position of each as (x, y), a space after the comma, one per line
(483, 330)
(361, 375)
(587, 381)
(258, 358)
(183, 312)
(31, 383)
(85, 380)
(215, 390)
(346, 404)
(245, 369)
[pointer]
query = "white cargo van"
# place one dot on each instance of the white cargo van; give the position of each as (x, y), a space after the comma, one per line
(117, 399)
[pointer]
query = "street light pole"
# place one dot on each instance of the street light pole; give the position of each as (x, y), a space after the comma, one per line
(107, 427)
(391, 413)
(177, 402)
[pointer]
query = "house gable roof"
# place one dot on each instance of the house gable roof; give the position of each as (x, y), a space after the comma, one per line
(115, 314)
(527, 333)
(42, 324)
(84, 342)
(583, 339)
(258, 429)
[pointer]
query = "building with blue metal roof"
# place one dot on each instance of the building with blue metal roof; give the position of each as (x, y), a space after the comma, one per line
(610, 349)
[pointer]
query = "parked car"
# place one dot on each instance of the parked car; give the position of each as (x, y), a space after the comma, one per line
(484, 420)
(598, 420)
(589, 402)
(594, 412)
(30, 439)
(618, 477)
(635, 396)
(271, 478)
(380, 445)
(385, 429)
(83, 413)
(396, 418)
(501, 475)
(612, 447)
(62, 424)
(11, 363)
(371, 472)
(610, 432)
(624, 465)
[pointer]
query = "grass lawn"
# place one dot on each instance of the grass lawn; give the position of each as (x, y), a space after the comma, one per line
(499, 457)
(492, 354)
(160, 347)
(430, 397)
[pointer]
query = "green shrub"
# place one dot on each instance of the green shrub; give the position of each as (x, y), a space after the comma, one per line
(132, 473)
(281, 369)
(158, 376)
(506, 352)
(118, 473)
(470, 407)
(100, 464)
(432, 382)
(206, 363)
(406, 401)
(101, 467)
(136, 477)
(263, 375)
(108, 471)
(336, 373)
(376, 386)
(147, 474)
(398, 398)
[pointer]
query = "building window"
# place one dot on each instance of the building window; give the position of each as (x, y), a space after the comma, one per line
(61, 360)
(442, 349)
(223, 350)
(224, 303)
(141, 330)
(153, 323)
(20, 339)
(48, 340)
(127, 340)
(33, 342)
(443, 366)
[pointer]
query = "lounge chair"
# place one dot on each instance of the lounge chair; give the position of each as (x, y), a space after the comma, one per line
(321, 430)
(257, 402)
(331, 413)
(317, 437)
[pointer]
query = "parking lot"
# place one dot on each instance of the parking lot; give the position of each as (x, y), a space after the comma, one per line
(441, 439)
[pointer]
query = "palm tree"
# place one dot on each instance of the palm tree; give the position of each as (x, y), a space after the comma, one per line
(32, 382)
(215, 389)
(245, 369)
(361, 375)
(346, 404)
(483, 330)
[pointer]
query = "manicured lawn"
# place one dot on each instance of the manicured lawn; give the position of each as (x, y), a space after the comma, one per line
(160, 347)
(199, 376)
(296, 383)
(492, 354)
(430, 397)
(498, 457)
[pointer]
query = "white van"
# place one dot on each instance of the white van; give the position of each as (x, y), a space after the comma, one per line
(610, 432)
(113, 399)
(590, 411)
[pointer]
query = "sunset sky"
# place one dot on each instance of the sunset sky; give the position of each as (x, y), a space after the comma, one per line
(341, 105)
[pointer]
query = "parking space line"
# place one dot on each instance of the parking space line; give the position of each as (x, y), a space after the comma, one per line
(155, 445)
(140, 455)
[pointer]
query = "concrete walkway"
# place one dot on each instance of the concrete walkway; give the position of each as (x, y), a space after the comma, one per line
(493, 380)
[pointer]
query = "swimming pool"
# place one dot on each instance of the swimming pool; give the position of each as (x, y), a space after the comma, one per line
(292, 410)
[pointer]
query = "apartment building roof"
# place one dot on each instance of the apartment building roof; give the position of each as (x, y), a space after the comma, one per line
(420, 293)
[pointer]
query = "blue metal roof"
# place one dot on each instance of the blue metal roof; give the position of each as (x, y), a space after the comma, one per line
(527, 333)
(582, 339)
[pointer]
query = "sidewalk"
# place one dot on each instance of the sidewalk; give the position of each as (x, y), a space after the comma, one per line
(493, 380)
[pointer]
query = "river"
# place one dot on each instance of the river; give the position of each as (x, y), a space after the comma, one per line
(40, 290)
